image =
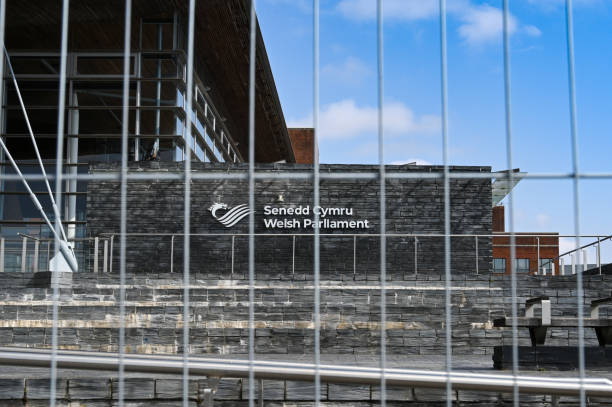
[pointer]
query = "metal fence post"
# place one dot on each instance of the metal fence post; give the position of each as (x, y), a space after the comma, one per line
(416, 255)
(172, 255)
(293, 257)
(233, 241)
(35, 260)
(95, 263)
(1, 255)
(110, 266)
(354, 257)
(24, 249)
(599, 255)
(476, 246)
(105, 262)
(539, 262)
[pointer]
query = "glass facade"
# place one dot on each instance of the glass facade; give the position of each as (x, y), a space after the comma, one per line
(156, 129)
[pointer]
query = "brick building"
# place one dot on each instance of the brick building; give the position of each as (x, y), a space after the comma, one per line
(534, 251)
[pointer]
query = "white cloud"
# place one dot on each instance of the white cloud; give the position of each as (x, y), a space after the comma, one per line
(345, 119)
(532, 30)
(482, 24)
(479, 23)
(393, 9)
(352, 71)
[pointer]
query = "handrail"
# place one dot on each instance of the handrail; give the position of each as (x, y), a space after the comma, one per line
(344, 234)
(599, 240)
(228, 368)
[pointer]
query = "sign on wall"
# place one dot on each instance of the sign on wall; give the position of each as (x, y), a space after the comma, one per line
(298, 217)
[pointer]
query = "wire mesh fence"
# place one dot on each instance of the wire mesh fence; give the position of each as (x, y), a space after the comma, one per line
(99, 254)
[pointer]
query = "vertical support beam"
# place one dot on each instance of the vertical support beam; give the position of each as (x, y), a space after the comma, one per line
(585, 260)
(573, 263)
(95, 263)
(2, 255)
(138, 62)
(476, 246)
(35, 259)
(158, 94)
(562, 267)
(24, 249)
(105, 262)
(72, 156)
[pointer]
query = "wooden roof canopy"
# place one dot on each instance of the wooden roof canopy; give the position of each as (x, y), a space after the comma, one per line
(221, 54)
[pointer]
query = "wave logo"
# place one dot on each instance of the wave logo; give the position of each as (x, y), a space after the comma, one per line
(232, 216)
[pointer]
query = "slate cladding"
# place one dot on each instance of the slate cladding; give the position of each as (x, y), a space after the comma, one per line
(414, 206)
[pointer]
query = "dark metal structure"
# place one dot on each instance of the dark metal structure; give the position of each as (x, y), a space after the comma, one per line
(157, 95)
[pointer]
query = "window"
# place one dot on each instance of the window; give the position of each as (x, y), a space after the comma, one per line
(499, 265)
(522, 265)
(546, 264)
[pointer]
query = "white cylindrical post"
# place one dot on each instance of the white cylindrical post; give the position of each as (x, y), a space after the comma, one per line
(1, 255)
(552, 268)
(95, 264)
(24, 252)
(105, 262)
(599, 255)
(172, 254)
(35, 260)
(585, 262)
(573, 263)
(562, 267)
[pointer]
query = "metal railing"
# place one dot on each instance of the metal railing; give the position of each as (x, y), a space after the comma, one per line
(27, 253)
(415, 238)
(272, 370)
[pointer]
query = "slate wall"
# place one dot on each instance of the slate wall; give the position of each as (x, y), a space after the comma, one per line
(350, 314)
(414, 206)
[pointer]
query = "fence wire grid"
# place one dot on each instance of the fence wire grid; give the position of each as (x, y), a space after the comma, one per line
(252, 176)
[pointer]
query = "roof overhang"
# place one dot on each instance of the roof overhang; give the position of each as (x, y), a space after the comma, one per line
(504, 182)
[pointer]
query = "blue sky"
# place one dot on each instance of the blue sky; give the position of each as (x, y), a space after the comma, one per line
(541, 129)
